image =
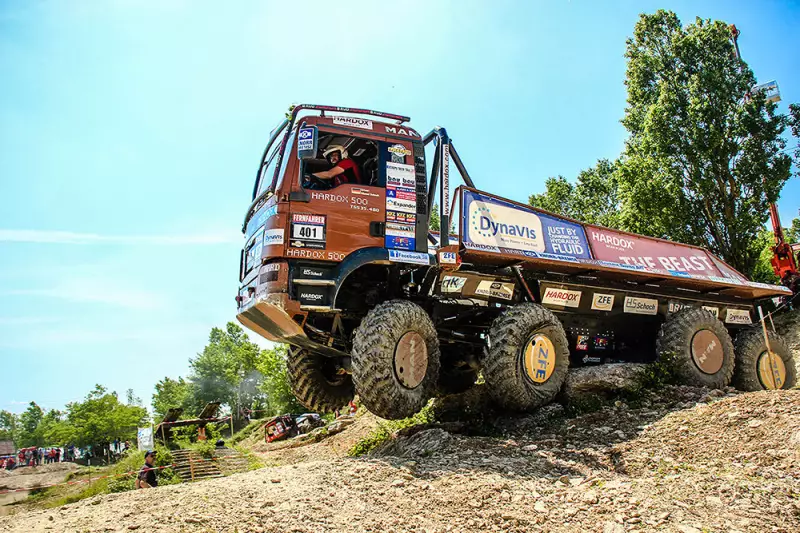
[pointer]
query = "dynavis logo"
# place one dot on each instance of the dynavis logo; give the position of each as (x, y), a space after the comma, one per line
(490, 228)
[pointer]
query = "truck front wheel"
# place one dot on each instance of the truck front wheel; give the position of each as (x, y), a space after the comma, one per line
(755, 369)
(395, 359)
(699, 346)
(528, 357)
(316, 381)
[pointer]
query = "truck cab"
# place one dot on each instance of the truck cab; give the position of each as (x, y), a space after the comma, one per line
(317, 246)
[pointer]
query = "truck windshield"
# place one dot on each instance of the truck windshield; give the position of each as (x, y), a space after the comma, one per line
(268, 160)
(268, 170)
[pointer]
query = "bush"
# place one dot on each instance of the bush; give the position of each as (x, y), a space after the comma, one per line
(387, 430)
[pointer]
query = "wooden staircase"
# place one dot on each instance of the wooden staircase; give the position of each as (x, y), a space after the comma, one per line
(230, 461)
(191, 466)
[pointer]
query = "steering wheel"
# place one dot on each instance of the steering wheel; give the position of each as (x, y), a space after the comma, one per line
(314, 183)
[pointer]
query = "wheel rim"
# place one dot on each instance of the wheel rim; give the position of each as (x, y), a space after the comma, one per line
(539, 358)
(707, 352)
(411, 359)
(772, 376)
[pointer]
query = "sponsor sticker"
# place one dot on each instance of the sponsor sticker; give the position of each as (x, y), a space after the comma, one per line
(308, 231)
(400, 230)
(364, 192)
(403, 218)
(406, 206)
(398, 153)
(713, 310)
(738, 316)
(402, 193)
(353, 122)
(583, 343)
(641, 306)
(453, 283)
(401, 243)
(305, 139)
(401, 256)
(602, 302)
(495, 289)
(447, 258)
(674, 307)
(563, 297)
(400, 175)
(493, 223)
(273, 236)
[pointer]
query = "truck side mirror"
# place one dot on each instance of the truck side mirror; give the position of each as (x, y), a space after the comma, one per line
(307, 143)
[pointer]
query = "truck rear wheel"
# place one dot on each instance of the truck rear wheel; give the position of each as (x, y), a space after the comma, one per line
(527, 361)
(316, 383)
(395, 359)
(700, 347)
(753, 363)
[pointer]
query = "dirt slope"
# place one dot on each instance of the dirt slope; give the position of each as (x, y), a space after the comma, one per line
(671, 464)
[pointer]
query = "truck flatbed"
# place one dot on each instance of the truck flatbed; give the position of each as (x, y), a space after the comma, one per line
(495, 230)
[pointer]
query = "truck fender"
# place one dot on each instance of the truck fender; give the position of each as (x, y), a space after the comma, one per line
(354, 261)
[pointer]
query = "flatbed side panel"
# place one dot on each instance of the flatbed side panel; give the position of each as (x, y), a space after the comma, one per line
(499, 231)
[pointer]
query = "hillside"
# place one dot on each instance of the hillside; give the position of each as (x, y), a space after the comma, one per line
(684, 460)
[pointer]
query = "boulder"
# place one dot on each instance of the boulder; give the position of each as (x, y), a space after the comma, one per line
(420, 444)
(602, 380)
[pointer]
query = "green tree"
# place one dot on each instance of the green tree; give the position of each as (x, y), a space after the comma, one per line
(54, 430)
(435, 221)
(101, 418)
(172, 393)
(279, 398)
(705, 156)
(8, 425)
(792, 233)
(28, 422)
(226, 369)
(594, 198)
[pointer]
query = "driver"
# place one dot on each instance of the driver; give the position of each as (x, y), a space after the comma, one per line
(344, 170)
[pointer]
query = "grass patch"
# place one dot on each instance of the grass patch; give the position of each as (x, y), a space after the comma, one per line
(245, 432)
(387, 430)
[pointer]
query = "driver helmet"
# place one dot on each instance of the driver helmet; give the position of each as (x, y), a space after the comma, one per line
(335, 148)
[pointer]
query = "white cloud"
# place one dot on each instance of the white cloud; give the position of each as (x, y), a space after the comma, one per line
(69, 237)
(100, 291)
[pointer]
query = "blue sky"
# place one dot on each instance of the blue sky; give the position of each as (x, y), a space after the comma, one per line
(130, 132)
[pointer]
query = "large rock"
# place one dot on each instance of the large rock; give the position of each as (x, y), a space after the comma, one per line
(602, 380)
(420, 444)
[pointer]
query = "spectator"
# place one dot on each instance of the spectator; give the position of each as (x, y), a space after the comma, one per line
(147, 475)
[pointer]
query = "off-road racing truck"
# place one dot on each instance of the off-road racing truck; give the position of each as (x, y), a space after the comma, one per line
(372, 302)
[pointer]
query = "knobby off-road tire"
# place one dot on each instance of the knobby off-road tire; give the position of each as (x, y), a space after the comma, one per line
(315, 383)
(528, 357)
(698, 347)
(752, 361)
(395, 359)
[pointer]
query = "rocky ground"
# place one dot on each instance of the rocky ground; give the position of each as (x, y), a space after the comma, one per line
(683, 460)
